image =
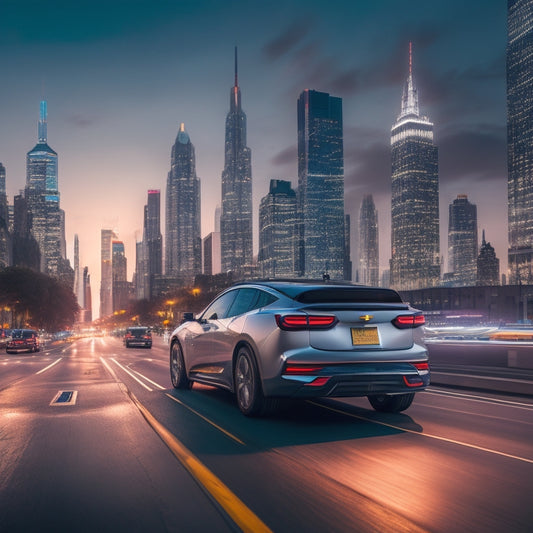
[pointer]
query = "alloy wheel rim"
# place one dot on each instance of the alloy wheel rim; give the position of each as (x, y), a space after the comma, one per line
(244, 381)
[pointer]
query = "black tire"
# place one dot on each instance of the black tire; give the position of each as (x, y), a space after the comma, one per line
(247, 385)
(178, 374)
(387, 403)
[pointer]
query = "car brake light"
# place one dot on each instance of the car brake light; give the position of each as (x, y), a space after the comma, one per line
(413, 381)
(302, 322)
(302, 369)
(421, 366)
(409, 321)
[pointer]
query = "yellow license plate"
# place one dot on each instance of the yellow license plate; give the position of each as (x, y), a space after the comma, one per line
(365, 336)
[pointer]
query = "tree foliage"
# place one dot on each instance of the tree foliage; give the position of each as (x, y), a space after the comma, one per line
(37, 300)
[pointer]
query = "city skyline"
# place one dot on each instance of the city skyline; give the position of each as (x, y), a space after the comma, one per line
(459, 69)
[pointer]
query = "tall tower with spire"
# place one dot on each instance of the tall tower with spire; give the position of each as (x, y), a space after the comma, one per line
(183, 245)
(42, 195)
(415, 250)
(236, 231)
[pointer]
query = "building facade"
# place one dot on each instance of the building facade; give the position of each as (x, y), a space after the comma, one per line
(320, 199)
(106, 274)
(153, 241)
(520, 140)
(119, 269)
(236, 231)
(6, 258)
(462, 242)
(368, 242)
(277, 231)
(183, 245)
(415, 249)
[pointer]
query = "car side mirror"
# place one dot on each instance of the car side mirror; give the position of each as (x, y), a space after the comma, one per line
(188, 317)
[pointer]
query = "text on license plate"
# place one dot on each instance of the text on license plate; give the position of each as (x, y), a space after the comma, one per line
(365, 336)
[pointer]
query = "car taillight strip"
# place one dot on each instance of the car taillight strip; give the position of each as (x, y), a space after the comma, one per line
(299, 322)
(409, 321)
(303, 369)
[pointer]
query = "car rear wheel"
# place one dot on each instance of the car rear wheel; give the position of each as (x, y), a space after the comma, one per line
(391, 403)
(248, 389)
(178, 375)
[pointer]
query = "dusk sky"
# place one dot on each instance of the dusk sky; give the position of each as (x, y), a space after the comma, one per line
(120, 76)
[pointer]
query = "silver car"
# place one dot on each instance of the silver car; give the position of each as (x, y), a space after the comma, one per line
(268, 340)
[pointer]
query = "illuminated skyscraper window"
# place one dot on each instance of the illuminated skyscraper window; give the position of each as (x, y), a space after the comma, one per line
(415, 258)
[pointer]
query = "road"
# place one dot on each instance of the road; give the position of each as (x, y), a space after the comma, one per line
(123, 451)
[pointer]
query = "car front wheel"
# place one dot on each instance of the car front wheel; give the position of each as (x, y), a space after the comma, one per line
(178, 375)
(391, 403)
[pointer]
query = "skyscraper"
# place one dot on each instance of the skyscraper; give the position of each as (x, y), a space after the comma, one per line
(320, 185)
(236, 239)
(368, 242)
(5, 239)
(462, 241)
(119, 271)
(183, 245)
(520, 139)
(42, 195)
(277, 230)
(415, 255)
(488, 265)
(106, 280)
(152, 237)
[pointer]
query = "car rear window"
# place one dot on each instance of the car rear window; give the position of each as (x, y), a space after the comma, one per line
(348, 295)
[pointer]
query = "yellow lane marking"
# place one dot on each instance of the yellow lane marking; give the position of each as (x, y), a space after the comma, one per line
(227, 433)
(428, 435)
(232, 505)
(49, 366)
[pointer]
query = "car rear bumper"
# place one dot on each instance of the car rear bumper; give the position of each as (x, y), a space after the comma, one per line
(350, 380)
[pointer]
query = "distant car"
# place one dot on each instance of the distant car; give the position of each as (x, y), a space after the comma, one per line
(138, 336)
(277, 339)
(23, 340)
(4, 337)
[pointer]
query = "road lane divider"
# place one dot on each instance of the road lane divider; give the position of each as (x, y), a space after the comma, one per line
(131, 374)
(214, 424)
(229, 502)
(160, 387)
(428, 435)
(49, 366)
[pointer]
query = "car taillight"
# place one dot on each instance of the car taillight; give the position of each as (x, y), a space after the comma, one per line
(295, 369)
(424, 367)
(300, 322)
(409, 321)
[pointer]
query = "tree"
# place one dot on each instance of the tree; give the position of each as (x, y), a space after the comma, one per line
(37, 300)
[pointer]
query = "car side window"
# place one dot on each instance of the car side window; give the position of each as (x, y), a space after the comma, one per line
(249, 299)
(219, 308)
(243, 303)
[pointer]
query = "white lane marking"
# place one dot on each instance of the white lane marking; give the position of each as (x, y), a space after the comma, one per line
(220, 428)
(49, 366)
(428, 435)
(149, 380)
(131, 374)
(109, 369)
(477, 376)
(482, 399)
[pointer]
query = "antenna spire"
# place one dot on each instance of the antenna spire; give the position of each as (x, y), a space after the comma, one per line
(410, 58)
(236, 70)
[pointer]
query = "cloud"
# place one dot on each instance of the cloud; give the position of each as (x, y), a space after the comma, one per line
(288, 156)
(287, 40)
